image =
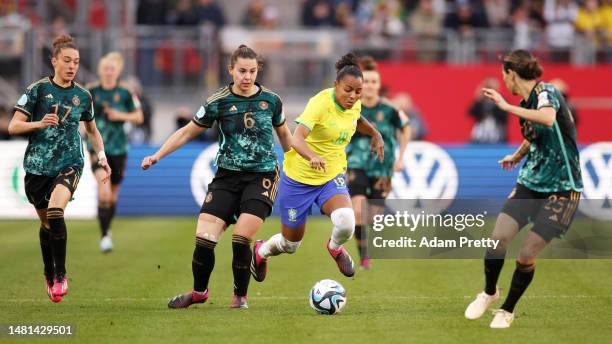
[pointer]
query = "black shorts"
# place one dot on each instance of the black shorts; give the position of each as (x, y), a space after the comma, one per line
(552, 213)
(232, 193)
(117, 163)
(360, 184)
(38, 188)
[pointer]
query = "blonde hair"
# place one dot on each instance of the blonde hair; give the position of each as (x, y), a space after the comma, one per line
(113, 57)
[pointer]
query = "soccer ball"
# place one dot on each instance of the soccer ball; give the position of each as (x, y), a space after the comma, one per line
(327, 297)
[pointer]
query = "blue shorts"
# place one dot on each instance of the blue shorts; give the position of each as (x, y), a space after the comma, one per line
(295, 199)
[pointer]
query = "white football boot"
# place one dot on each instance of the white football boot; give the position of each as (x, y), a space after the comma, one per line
(480, 305)
(502, 319)
(106, 244)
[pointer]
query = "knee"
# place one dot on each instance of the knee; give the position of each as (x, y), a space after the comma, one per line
(343, 219)
(525, 265)
(105, 198)
(210, 227)
(526, 257)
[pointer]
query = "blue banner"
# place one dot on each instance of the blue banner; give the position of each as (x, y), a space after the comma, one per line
(177, 184)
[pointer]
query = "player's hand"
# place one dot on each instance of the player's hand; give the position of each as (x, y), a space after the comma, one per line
(113, 115)
(377, 147)
(398, 166)
(50, 119)
(495, 97)
(104, 164)
(508, 163)
(317, 163)
(148, 161)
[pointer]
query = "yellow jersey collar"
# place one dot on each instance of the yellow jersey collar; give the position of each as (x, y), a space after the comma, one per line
(333, 95)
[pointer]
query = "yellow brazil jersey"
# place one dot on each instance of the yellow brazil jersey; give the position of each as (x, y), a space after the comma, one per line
(331, 129)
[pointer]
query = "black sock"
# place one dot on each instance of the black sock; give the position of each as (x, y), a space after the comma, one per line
(104, 217)
(203, 263)
(44, 235)
(113, 209)
(362, 243)
(493, 264)
(241, 246)
(523, 274)
(59, 237)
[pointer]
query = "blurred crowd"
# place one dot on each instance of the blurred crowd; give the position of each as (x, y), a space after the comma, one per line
(557, 21)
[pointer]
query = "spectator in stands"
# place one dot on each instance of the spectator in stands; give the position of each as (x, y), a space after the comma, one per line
(387, 21)
(352, 5)
(183, 14)
(522, 26)
(140, 133)
(364, 13)
(418, 129)
(258, 14)
(490, 124)
(589, 22)
(563, 87)
(152, 12)
(427, 25)
(344, 15)
(318, 13)
(560, 16)
(497, 12)
(464, 19)
(606, 18)
(5, 118)
(534, 9)
(210, 14)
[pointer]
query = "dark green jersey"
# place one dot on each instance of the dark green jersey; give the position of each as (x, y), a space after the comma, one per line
(54, 148)
(553, 162)
(113, 135)
(387, 120)
(246, 125)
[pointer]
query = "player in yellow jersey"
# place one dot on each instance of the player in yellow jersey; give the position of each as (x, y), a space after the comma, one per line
(314, 169)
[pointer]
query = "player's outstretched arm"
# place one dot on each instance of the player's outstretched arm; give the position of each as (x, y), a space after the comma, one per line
(545, 115)
(19, 124)
(284, 136)
(174, 142)
(377, 144)
(98, 145)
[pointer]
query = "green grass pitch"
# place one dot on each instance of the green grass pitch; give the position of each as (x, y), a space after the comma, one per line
(121, 297)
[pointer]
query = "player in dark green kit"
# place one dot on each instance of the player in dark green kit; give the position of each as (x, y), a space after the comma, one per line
(114, 106)
(548, 186)
(244, 187)
(370, 178)
(49, 113)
